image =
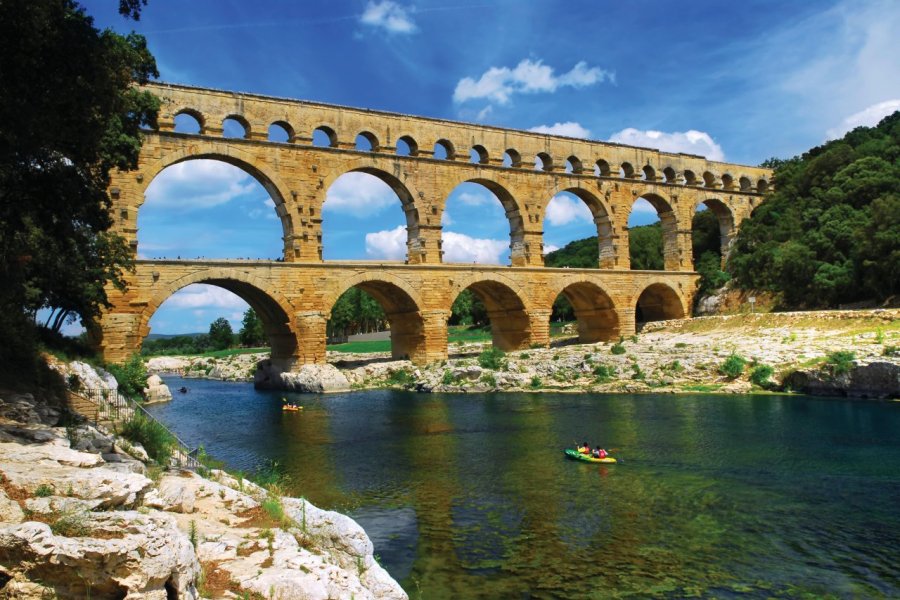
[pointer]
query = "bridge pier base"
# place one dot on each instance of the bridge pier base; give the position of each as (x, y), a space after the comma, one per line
(311, 336)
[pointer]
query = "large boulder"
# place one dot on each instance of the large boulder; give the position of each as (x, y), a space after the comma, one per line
(130, 555)
(316, 379)
(875, 380)
(156, 390)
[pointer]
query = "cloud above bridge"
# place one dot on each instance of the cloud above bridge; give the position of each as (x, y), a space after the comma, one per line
(390, 244)
(359, 195)
(569, 129)
(197, 184)
(689, 142)
(389, 16)
(500, 84)
(565, 209)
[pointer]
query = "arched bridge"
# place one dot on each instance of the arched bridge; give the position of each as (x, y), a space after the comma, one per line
(423, 160)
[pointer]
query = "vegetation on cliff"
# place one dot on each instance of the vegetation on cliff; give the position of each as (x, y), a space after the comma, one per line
(830, 233)
(70, 114)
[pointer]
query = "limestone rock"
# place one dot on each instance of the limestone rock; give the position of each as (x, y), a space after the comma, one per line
(156, 390)
(315, 379)
(10, 511)
(86, 438)
(879, 379)
(143, 556)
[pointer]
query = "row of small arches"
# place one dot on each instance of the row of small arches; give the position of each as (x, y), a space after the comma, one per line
(236, 126)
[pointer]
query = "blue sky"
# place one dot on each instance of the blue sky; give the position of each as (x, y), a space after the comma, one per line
(738, 81)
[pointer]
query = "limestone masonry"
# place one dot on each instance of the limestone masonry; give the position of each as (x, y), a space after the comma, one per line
(294, 296)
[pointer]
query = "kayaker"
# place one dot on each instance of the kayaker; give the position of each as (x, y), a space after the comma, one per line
(584, 448)
(600, 452)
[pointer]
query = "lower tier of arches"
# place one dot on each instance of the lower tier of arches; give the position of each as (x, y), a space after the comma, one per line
(294, 302)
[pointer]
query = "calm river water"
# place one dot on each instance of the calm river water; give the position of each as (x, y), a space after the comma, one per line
(469, 496)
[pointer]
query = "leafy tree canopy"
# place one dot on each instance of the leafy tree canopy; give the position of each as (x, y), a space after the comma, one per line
(830, 233)
(221, 336)
(70, 114)
(252, 333)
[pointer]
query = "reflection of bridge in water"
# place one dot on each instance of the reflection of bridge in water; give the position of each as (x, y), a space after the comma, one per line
(294, 296)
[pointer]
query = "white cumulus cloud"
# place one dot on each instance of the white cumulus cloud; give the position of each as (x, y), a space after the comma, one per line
(461, 248)
(868, 117)
(569, 129)
(475, 199)
(360, 195)
(198, 184)
(388, 244)
(565, 209)
(690, 142)
(528, 77)
(200, 296)
(548, 248)
(389, 16)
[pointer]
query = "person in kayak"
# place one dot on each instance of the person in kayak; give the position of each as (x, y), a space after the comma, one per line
(599, 452)
(584, 448)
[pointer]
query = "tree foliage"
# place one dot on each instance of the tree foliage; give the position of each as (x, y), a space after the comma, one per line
(830, 233)
(252, 334)
(221, 336)
(70, 113)
(356, 312)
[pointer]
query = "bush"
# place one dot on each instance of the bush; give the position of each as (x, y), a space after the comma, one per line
(674, 367)
(637, 372)
(604, 373)
(493, 358)
(618, 347)
(760, 374)
(733, 367)
(400, 377)
(43, 491)
(71, 523)
(535, 382)
(840, 362)
(448, 378)
(489, 379)
(891, 351)
(132, 376)
(153, 436)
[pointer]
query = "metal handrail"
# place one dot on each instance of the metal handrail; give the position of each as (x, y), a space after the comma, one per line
(115, 408)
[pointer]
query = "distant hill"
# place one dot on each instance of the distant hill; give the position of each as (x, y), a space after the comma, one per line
(167, 336)
(645, 243)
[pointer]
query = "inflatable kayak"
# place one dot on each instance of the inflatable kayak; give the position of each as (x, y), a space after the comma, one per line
(290, 408)
(576, 455)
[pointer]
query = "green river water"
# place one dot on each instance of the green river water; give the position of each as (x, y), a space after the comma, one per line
(470, 496)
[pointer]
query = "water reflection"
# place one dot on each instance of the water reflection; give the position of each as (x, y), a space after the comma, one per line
(469, 496)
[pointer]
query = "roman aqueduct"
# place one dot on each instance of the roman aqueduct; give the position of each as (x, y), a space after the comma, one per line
(422, 160)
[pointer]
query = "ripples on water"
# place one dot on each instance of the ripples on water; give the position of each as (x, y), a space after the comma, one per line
(469, 496)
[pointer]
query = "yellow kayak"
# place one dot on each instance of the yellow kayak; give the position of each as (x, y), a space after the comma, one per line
(576, 455)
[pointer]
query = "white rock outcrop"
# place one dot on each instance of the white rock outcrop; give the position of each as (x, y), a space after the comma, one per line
(315, 379)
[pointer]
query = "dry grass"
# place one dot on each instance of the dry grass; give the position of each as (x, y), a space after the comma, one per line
(15, 492)
(257, 517)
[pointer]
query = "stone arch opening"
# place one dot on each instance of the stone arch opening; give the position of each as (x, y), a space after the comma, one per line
(718, 226)
(212, 206)
(652, 234)
(401, 310)
(543, 162)
(366, 142)
(574, 166)
(371, 194)
(727, 182)
(272, 312)
(658, 302)
(407, 146)
(593, 310)
(479, 216)
(479, 155)
(762, 186)
(670, 175)
(648, 173)
(235, 126)
(505, 313)
(572, 215)
(443, 150)
(745, 184)
(601, 168)
(709, 180)
(626, 170)
(281, 131)
(690, 178)
(188, 120)
(324, 136)
(511, 158)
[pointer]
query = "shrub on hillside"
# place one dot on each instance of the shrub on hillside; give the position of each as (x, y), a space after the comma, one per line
(154, 437)
(760, 375)
(733, 367)
(131, 375)
(492, 358)
(840, 362)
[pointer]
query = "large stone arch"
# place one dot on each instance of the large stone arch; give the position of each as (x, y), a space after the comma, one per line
(724, 215)
(402, 306)
(230, 153)
(273, 309)
(508, 307)
(596, 312)
(515, 213)
(671, 228)
(657, 300)
(602, 215)
(416, 246)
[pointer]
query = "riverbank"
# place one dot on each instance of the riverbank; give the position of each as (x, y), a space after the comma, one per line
(81, 497)
(731, 354)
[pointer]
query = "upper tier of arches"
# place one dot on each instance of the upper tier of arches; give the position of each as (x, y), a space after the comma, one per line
(306, 123)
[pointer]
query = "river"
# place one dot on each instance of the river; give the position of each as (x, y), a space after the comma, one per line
(470, 496)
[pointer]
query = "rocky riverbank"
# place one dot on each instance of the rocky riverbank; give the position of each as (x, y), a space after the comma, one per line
(85, 514)
(666, 356)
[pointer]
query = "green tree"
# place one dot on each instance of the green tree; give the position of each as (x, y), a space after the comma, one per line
(220, 334)
(645, 244)
(70, 114)
(252, 333)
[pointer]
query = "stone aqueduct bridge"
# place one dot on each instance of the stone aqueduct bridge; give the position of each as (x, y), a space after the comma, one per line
(294, 297)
